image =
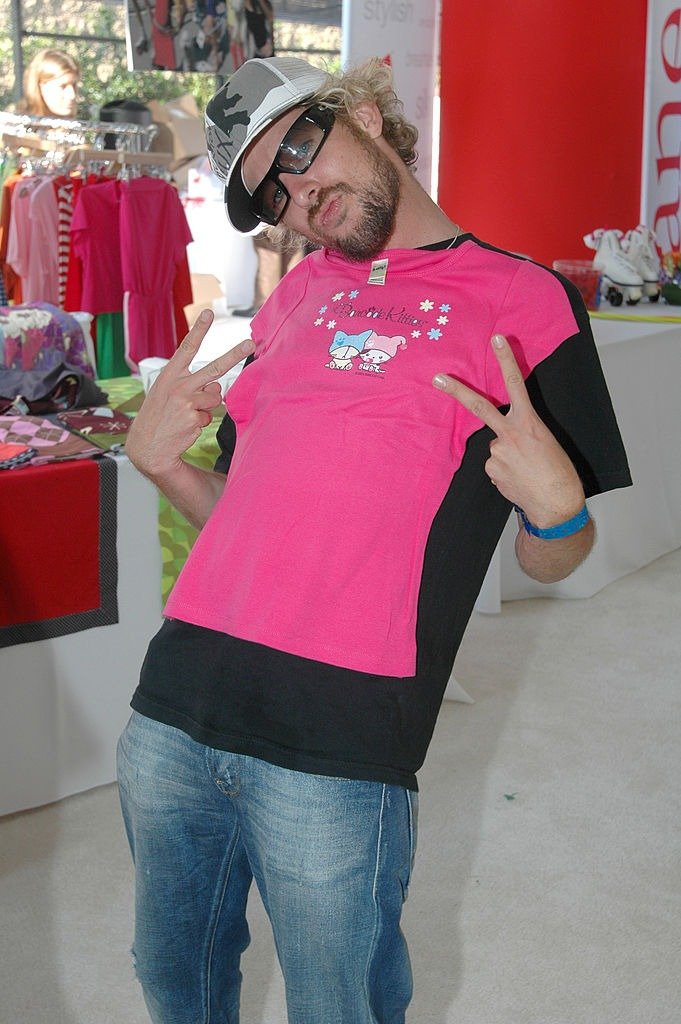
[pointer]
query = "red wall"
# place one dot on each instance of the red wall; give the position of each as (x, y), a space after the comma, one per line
(541, 120)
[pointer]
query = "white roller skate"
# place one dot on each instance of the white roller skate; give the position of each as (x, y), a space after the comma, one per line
(619, 279)
(640, 248)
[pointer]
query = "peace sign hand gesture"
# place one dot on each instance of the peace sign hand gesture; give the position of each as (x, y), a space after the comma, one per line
(526, 463)
(179, 405)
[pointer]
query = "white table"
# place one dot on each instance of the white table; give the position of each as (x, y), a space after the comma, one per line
(64, 701)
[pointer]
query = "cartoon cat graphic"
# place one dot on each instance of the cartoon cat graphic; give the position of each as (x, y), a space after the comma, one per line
(379, 349)
(345, 347)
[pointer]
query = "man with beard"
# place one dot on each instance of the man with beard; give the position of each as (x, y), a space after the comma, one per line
(287, 703)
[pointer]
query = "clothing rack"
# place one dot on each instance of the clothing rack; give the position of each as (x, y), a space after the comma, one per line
(119, 156)
(133, 138)
(54, 143)
(34, 153)
(115, 159)
(27, 144)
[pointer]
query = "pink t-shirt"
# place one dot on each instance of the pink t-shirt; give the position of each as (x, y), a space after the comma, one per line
(44, 275)
(19, 234)
(345, 449)
(154, 236)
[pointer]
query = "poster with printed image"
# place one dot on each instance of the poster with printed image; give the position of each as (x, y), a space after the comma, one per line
(212, 36)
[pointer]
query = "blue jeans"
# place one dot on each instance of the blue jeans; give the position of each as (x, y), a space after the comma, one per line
(332, 860)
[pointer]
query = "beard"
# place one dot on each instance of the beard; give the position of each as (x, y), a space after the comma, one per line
(377, 201)
(375, 223)
(377, 205)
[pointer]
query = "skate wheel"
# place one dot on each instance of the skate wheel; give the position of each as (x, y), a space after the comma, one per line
(632, 301)
(654, 298)
(614, 297)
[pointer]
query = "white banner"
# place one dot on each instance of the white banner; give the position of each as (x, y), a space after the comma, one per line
(405, 35)
(661, 173)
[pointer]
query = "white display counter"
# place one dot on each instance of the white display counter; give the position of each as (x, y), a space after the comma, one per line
(65, 701)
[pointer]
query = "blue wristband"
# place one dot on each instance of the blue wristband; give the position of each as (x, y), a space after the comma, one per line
(566, 529)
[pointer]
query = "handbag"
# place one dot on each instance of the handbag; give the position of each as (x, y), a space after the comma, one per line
(40, 392)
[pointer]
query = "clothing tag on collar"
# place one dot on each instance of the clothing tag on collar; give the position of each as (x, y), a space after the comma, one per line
(377, 274)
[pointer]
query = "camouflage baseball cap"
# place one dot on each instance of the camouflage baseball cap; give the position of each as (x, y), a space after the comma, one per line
(257, 93)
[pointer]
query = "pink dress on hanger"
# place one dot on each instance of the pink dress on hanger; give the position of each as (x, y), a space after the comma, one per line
(19, 253)
(154, 236)
(95, 241)
(44, 274)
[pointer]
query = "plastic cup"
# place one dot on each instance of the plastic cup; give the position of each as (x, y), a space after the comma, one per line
(587, 279)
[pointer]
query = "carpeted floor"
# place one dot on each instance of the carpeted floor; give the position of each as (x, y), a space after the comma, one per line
(548, 880)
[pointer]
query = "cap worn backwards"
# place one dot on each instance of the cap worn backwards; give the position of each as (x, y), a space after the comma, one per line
(257, 93)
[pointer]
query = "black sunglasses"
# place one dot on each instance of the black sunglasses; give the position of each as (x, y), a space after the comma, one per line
(298, 149)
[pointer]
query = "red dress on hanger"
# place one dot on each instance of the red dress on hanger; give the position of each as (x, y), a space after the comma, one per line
(163, 37)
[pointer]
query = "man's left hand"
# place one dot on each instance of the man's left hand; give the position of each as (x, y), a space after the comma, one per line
(526, 462)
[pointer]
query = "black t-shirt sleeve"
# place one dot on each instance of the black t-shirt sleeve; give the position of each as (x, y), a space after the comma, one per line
(226, 438)
(570, 393)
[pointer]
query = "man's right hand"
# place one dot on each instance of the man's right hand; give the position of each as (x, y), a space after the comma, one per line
(179, 404)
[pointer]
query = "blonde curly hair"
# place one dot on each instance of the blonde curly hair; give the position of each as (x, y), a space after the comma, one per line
(372, 81)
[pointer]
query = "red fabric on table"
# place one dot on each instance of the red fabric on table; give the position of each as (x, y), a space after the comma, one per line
(49, 541)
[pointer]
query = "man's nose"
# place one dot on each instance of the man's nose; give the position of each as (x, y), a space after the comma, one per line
(302, 188)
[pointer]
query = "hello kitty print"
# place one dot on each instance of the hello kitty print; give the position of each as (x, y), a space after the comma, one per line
(393, 327)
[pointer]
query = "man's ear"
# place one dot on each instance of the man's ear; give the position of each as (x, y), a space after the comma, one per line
(369, 118)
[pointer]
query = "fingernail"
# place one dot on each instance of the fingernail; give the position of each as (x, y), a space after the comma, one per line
(205, 315)
(247, 345)
(440, 381)
(498, 340)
